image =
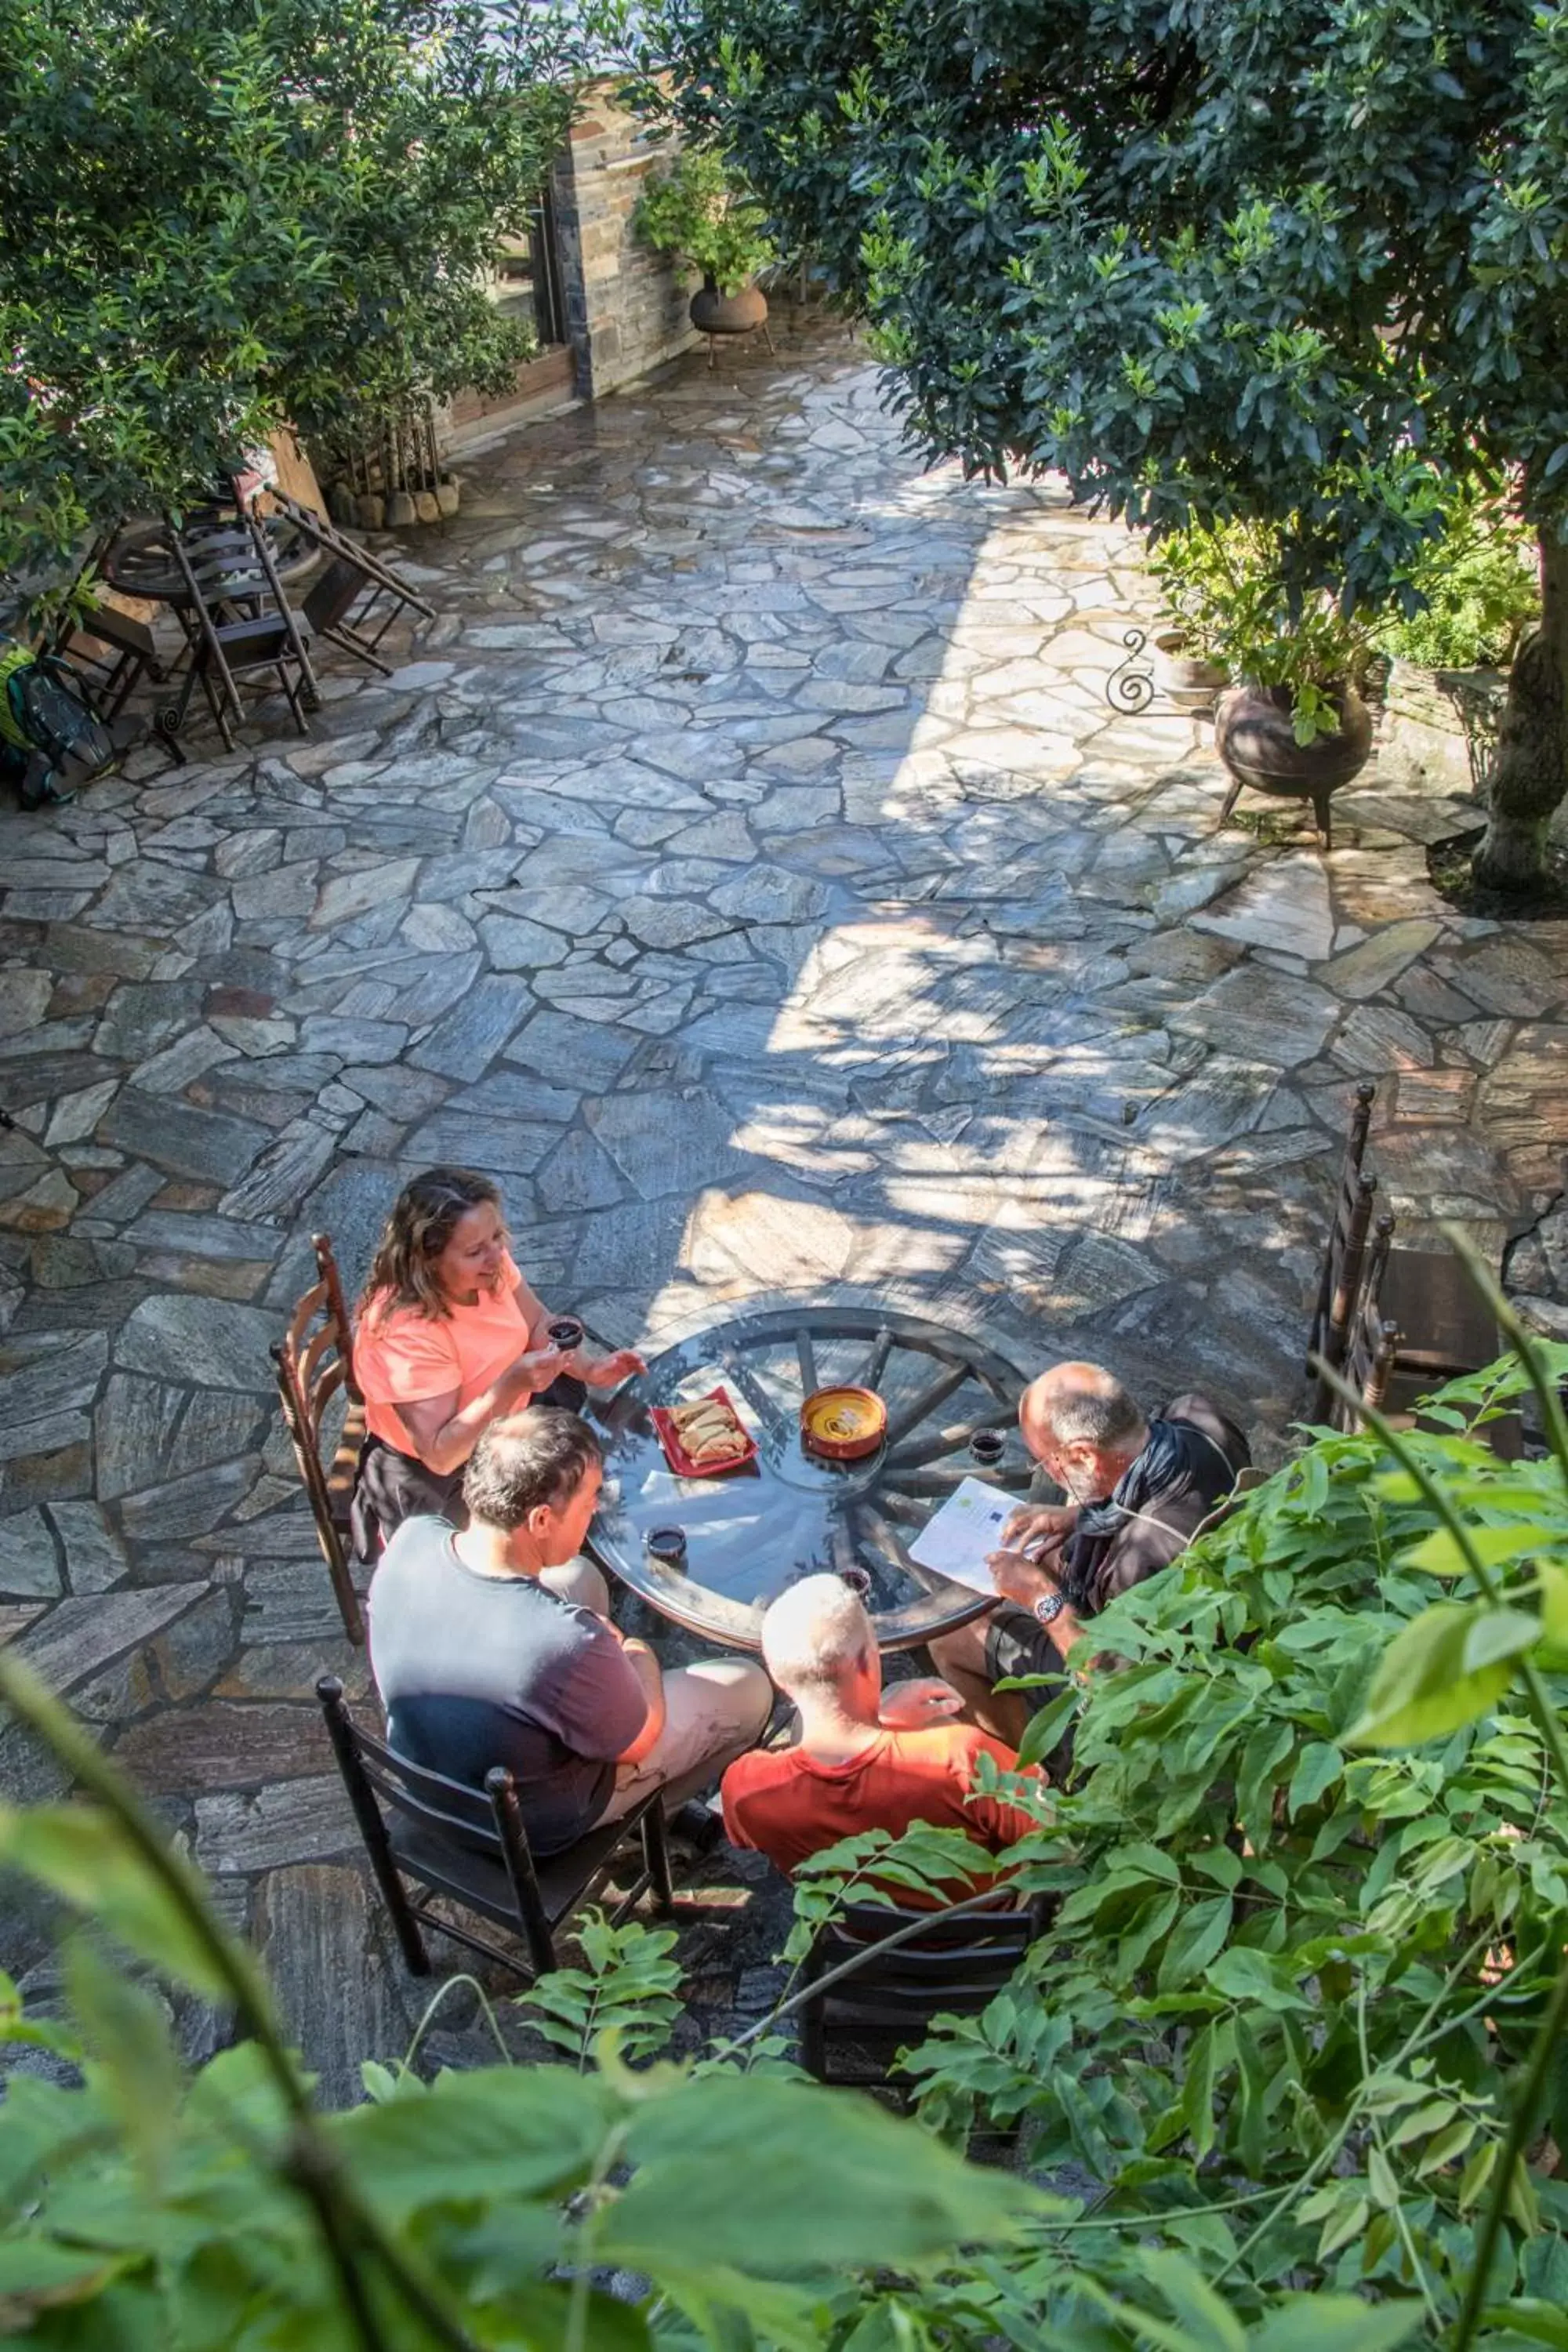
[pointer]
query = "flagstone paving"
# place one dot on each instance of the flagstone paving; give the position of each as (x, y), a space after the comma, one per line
(747, 868)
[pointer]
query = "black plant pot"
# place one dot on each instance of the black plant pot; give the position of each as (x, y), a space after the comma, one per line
(1256, 743)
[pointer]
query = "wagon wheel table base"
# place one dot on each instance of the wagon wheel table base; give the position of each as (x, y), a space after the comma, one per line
(752, 1532)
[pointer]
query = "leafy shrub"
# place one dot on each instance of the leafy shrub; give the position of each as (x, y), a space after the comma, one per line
(707, 217)
(1481, 592)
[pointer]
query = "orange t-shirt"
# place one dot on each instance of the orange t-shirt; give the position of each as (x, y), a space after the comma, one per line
(789, 1806)
(402, 1356)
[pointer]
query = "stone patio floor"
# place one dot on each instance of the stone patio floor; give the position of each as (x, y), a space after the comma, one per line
(747, 868)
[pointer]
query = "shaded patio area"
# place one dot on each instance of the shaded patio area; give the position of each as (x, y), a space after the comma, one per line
(747, 869)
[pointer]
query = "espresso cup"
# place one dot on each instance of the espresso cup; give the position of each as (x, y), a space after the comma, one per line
(986, 1447)
(666, 1545)
(566, 1332)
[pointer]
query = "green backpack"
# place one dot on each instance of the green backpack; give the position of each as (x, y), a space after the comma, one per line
(51, 740)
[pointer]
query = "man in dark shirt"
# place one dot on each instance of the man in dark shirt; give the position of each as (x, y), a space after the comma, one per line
(1137, 1488)
(494, 1646)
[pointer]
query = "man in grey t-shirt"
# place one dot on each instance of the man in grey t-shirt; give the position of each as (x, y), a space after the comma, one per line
(495, 1646)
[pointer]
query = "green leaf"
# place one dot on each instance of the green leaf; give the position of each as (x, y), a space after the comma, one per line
(1527, 2315)
(83, 1856)
(1192, 2301)
(1441, 1554)
(1198, 1937)
(503, 2132)
(1346, 2222)
(1423, 1688)
(1336, 2322)
(774, 2180)
(1319, 1766)
(127, 2033)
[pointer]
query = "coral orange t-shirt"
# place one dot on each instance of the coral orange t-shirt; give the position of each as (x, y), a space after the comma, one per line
(789, 1806)
(402, 1356)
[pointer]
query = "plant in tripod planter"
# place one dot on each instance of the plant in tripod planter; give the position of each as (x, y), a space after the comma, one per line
(705, 217)
(1293, 725)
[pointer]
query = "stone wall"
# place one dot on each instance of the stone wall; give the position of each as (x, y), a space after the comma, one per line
(626, 307)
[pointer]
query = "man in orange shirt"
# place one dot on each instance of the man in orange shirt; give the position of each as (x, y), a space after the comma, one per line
(863, 1761)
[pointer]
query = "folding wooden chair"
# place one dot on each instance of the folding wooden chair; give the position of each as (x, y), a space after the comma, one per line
(239, 622)
(312, 1365)
(358, 597)
(452, 1841)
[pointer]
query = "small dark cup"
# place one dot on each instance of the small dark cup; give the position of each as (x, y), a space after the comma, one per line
(986, 1448)
(666, 1545)
(566, 1332)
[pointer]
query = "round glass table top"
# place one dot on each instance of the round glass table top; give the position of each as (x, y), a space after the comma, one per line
(751, 1532)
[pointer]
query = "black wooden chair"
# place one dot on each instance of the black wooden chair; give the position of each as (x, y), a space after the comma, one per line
(1443, 1330)
(852, 2031)
(115, 651)
(355, 600)
(1368, 1368)
(473, 1849)
(315, 1361)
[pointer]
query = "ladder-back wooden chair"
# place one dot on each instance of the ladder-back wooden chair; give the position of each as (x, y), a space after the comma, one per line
(1344, 1257)
(355, 600)
(314, 1361)
(1368, 1367)
(473, 1849)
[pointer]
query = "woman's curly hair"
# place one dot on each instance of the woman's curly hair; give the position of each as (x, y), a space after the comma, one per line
(423, 1217)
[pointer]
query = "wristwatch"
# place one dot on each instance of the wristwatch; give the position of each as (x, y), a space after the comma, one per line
(1049, 1609)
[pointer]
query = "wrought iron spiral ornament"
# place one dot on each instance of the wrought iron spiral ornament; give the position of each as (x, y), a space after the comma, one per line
(1131, 686)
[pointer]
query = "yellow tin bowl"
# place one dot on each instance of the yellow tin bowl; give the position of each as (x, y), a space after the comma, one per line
(842, 1424)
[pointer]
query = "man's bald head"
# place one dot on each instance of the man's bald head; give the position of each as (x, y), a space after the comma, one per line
(1080, 1420)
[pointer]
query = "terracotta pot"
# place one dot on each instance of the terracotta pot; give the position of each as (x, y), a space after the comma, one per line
(1256, 743)
(713, 313)
(1181, 677)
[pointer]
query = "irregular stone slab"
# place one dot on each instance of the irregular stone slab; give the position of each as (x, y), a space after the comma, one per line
(320, 1926)
(468, 1040)
(293, 1821)
(45, 1374)
(347, 896)
(176, 1232)
(778, 1245)
(505, 1146)
(667, 1143)
(1379, 1037)
(145, 1016)
(134, 1428)
(212, 1342)
(218, 1747)
(400, 1093)
(514, 944)
(669, 922)
(79, 1638)
(94, 1556)
(579, 1175)
(1221, 1101)
(1440, 1094)
(180, 1065)
(24, 999)
(564, 1049)
(74, 1118)
(1365, 970)
(28, 1566)
(1512, 978)
(1286, 907)
(151, 897)
(191, 1506)
(769, 894)
(283, 1173)
(15, 1618)
(1259, 1015)
(212, 1146)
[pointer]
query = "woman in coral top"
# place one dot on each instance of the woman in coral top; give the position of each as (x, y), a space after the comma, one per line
(449, 1336)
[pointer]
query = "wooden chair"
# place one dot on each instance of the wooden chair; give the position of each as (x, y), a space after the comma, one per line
(312, 1365)
(357, 597)
(851, 2031)
(115, 651)
(1343, 1258)
(452, 1841)
(1444, 1331)
(1368, 1366)
(238, 622)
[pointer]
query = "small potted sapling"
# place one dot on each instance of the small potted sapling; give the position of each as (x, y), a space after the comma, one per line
(707, 217)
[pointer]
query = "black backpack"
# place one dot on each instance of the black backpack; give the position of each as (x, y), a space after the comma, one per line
(51, 740)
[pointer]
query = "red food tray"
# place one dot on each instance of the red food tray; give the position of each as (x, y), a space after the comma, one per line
(677, 1456)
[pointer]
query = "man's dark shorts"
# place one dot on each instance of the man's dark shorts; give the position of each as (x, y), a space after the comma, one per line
(1017, 1643)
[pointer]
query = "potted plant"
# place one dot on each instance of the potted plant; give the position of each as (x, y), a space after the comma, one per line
(705, 214)
(1292, 723)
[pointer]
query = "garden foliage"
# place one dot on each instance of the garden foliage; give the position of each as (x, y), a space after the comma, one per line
(1295, 2024)
(220, 215)
(1295, 261)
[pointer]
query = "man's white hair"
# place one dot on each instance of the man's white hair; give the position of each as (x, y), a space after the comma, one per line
(818, 1631)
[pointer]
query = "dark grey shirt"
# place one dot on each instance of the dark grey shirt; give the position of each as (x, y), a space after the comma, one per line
(475, 1671)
